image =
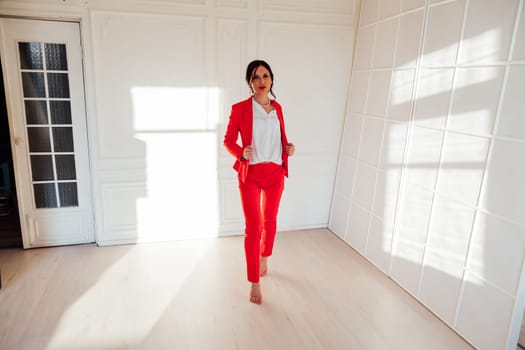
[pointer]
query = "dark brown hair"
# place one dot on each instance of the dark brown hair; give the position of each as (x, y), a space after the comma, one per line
(250, 73)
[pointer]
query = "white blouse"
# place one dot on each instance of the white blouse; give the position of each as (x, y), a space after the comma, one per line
(266, 136)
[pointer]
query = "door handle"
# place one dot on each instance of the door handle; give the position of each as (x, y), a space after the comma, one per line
(19, 141)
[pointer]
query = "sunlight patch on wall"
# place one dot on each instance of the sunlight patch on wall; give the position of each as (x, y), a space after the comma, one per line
(178, 128)
(401, 89)
(485, 47)
(173, 109)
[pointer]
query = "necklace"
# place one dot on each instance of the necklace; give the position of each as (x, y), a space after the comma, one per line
(266, 105)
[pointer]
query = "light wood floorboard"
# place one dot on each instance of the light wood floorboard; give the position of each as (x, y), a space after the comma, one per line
(319, 294)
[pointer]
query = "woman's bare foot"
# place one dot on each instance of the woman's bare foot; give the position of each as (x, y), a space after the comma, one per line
(263, 266)
(255, 293)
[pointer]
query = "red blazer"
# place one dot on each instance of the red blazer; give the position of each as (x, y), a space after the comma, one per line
(241, 121)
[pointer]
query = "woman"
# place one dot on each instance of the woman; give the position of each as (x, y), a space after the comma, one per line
(261, 163)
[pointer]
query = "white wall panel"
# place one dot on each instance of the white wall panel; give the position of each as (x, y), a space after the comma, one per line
(441, 283)
(365, 47)
(462, 166)
(433, 97)
(411, 4)
(408, 40)
(503, 191)
(312, 122)
(393, 146)
(414, 214)
(231, 56)
(401, 90)
(352, 136)
(232, 3)
(497, 251)
(385, 43)
(443, 34)
(339, 6)
(364, 185)
(119, 200)
(449, 231)
(369, 12)
(379, 243)
(192, 2)
(512, 122)
(125, 57)
(484, 314)
(358, 89)
(488, 31)
(385, 196)
(519, 43)
(231, 209)
(338, 215)
(453, 148)
(357, 230)
(410, 235)
(389, 8)
(475, 103)
(378, 89)
(371, 143)
(306, 209)
(345, 176)
(406, 266)
(423, 157)
(231, 53)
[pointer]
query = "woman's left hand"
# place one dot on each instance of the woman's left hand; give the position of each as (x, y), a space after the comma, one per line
(290, 149)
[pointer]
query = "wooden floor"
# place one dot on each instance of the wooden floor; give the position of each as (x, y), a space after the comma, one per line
(319, 294)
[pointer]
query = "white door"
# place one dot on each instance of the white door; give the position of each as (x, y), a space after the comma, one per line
(42, 68)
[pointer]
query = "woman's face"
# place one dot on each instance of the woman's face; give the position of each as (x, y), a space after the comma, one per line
(261, 81)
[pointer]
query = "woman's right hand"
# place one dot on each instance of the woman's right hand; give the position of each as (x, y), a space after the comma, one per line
(247, 152)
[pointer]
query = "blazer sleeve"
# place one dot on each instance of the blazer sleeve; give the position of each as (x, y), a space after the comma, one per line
(232, 133)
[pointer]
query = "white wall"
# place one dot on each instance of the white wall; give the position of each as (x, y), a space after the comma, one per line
(160, 79)
(430, 178)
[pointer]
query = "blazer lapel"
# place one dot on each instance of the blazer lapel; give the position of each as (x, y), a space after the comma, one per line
(247, 120)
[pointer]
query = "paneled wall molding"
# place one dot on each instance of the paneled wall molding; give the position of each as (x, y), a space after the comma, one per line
(230, 214)
(39, 10)
(389, 18)
(116, 163)
(154, 4)
(342, 6)
(126, 175)
(313, 24)
(441, 211)
(198, 50)
(113, 193)
(227, 8)
(301, 18)
(232, 3)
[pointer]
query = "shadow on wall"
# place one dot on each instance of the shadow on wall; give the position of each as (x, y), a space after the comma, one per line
(424, 162)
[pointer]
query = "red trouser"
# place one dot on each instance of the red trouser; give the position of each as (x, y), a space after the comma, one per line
(266, 179)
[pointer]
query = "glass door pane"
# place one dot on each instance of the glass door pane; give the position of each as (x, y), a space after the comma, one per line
(45, 85)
